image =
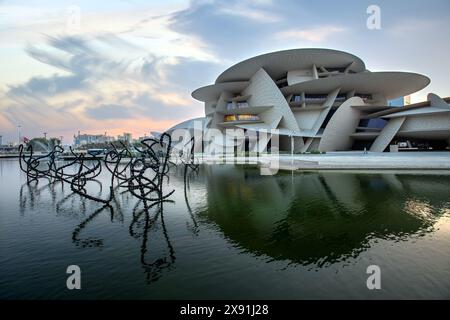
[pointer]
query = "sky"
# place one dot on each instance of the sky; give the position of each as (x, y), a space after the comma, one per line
(130, 66)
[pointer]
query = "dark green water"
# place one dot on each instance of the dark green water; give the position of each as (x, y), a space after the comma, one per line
(231, 234)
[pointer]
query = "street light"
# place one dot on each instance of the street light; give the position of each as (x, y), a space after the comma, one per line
(18, 132)
(45, 135)
(292, 148)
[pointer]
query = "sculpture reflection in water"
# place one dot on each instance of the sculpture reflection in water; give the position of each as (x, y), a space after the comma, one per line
(145, 222)
(320, 218)
(141, 174)
(190, 168)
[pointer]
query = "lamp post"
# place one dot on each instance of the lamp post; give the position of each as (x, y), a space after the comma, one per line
(18, 132)
(292, 148)
(45, 135)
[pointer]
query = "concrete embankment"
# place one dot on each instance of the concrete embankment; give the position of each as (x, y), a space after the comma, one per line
(369, 161)
(352, 161)
(9, 156)
(337, 161)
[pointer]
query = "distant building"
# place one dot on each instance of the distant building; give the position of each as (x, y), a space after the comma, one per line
(126, 137)
(82, 139)
(400, 102)
(141, 138)
(407, 100)
(8, 147)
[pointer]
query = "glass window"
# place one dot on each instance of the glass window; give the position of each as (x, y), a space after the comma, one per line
(242, 104)
(229, 118)
(248, 117)
(296, 98)
(241, 117)
(338, 69)
(372, 123)
(341, 97)
(364, 96)
(315, 97)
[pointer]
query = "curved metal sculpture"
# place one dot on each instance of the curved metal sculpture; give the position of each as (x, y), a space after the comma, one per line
(142, 175)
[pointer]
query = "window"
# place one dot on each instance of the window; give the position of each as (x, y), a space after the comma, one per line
(338, 69)
(241, 117)
(229, 118)
(282, 82)
(237, 105)
(341, 97)
(315, 98)
(296, 98)
(247, 117)
(372, 123)
(364, 96)
(241, 104)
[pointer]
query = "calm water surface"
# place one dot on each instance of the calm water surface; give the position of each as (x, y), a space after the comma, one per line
(231, 233)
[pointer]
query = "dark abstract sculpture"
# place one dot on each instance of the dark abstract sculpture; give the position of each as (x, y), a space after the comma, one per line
(142, 176)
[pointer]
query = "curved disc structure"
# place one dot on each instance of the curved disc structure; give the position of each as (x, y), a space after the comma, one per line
(322, 99)
(277, 63)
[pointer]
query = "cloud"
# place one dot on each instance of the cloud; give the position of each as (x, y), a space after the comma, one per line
(229, 28)
(238, 29)
(93, 89)
(108, 111)
(407, 26)
(143, 72)
(147, 104)
(192, 73)
(137, 66)
(41, 86)
(256, 11)
(317, 34)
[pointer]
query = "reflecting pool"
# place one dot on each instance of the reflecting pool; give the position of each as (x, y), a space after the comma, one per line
(230, 233)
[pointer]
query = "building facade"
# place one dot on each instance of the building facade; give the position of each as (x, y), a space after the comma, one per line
(400, 102)
(125, 137)
(324, 100)
(82, 139)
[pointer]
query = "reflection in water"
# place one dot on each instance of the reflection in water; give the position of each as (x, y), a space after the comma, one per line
(321, 218)
(143, 223)
(153, 267)
(305, 219)
(89, 242)
(187, 178)
(145, 218)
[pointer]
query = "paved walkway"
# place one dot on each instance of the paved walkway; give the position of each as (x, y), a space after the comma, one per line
(352, 160)
(346, 160)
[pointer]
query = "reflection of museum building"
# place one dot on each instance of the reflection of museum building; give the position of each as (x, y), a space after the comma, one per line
(326, 100)
(319, 217)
